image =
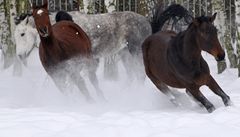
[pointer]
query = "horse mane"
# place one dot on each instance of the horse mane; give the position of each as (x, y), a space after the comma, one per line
(175, 12)
(63, 15)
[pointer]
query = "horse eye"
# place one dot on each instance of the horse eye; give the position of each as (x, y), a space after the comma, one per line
(22, 34)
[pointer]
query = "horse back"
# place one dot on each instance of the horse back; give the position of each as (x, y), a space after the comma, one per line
(74, 41)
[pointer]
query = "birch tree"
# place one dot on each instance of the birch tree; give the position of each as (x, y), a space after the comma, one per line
(237, 3)
(218, 6)
(7, 27)
(228, 41)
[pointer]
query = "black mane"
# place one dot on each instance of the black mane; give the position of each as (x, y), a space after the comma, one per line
(63, 15)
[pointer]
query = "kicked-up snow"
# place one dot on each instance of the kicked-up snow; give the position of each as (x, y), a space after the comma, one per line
(31, 106)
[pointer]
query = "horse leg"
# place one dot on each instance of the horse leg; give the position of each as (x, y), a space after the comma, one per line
(134, 47)
(212, 84)
(59, 78)
(196, 93)
(165, 90)
(111, 67)
(134, 65)
(195, 100)
(161, 86)
(94, 80)
(126, 58)
(79, 81)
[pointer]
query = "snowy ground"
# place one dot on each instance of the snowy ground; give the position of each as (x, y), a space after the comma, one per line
(31, 106)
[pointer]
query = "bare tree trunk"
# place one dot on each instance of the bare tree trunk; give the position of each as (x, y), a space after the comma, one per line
(218, 7)
(209, 7)
(90, 7)
(228, 41)
(7, 28)
(237, 5)
(142, 7)
(238, 52)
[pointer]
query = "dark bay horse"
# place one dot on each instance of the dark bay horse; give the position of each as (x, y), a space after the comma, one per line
(64, 51)
(175, 60)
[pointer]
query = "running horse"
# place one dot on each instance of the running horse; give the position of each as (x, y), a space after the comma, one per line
(174, 59)
(64, 51)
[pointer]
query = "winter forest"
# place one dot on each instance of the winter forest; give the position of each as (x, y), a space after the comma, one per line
(112, 94)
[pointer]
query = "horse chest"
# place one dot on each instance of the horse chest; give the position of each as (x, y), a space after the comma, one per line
(50, 56)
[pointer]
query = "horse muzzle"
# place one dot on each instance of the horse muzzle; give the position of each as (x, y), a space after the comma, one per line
(43, 31)
(220, 57)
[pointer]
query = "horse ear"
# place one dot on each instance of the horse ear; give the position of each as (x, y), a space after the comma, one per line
(27, 20)
(213, 17)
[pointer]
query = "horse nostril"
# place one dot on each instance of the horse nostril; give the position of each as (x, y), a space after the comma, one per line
(220, 57)
(43, 30)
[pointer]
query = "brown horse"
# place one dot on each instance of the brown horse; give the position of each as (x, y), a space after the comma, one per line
(65, 50)
(175, 60)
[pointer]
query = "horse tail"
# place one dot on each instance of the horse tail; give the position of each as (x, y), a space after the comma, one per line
(175, 12)
(63, 15)
(145, 48)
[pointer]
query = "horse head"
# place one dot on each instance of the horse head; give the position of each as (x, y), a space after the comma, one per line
(207, 36)
(41, 18)
(25, 36)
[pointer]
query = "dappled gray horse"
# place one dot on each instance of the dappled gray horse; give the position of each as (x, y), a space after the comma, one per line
(111, 34)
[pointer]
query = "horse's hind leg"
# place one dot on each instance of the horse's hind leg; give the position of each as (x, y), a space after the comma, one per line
(160, 85)
(212, 84)
(165, 90)
(196, 93)
(93, 78)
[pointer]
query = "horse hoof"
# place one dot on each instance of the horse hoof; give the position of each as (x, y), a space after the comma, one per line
(211, 109)
(174, 101)
(227, 101)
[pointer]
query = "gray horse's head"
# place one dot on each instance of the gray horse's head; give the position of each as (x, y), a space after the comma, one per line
(25, 36)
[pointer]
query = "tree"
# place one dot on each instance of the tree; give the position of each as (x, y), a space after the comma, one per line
(238, 35)
(218, 7)
(8, 10)
(228, 39)
(238, 52)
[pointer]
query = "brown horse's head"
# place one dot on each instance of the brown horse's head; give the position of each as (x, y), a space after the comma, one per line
(208, 38)
(41, 18)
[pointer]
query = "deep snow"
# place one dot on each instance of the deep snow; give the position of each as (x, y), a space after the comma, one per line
(31, 106)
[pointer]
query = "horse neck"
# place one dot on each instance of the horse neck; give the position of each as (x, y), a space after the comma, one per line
(190, 47)
(50, 40)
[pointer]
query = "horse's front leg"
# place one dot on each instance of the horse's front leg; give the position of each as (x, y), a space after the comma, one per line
(92, 69)
(196, 93)
(59, 78)
(212, 84)
(79, 81)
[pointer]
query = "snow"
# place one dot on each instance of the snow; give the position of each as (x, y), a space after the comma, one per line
(31, 106)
